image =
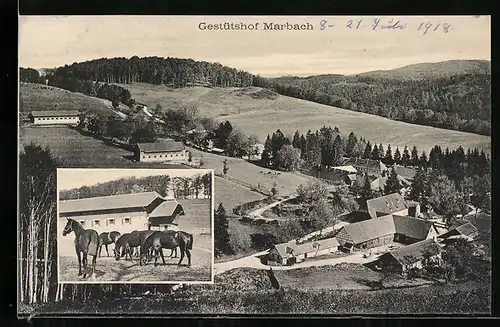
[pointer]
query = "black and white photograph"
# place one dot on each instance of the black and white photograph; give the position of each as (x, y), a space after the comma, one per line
(135, 225)
(346, 161)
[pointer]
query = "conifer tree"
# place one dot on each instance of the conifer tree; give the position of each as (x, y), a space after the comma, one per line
(392, 185)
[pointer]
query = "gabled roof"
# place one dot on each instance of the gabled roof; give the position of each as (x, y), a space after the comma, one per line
(367, 163)
(416, 250)
(55, 113)
(290, 249)
(348, 168)
(165, 146)
(133, 200)
(166, 209)
(379, 183)
(405, 172)
(466, 229)
(412, 227)
(387, 204)
(367, 230)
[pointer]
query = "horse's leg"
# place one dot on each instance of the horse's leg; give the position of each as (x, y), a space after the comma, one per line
(156, 257)
(85, 265)
(182, 256)
(188, 254)
(79, 261)
(100, 248)
(107, 251)
(162, 257)
(94, 259)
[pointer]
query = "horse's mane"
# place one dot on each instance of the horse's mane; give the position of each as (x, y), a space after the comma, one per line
(77, 223)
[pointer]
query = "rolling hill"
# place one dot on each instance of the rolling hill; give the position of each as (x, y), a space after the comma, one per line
(433, 70)
(261, 112)
(42, 97)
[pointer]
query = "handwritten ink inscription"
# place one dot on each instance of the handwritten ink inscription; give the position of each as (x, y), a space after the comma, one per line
(424, 28)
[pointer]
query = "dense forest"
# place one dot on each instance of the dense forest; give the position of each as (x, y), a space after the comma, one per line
(457, 101)
(460, 102)
(182, 187)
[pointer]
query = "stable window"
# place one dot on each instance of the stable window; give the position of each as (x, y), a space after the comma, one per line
(126, 220)
(111, 221)
(149, 156)
(155, 156)
(143, 157)
(97, 223)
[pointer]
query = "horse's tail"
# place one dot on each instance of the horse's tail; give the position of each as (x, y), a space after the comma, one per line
(189, 244)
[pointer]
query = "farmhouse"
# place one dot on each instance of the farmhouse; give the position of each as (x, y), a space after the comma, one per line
(161, 151)
(337, 176)
(388, 204)
(55, 117)
(417, 255)
(379, 183)
(366, 166)
(123, 213)
(384, 230)
(466, 231)
(290, 253)
(407, 173)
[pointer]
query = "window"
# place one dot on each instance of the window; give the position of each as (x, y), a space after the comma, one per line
(82, 222)
(97, 223)
(143, 157)
(155, 156)
(126, 220)
(149, 157)
(161, 156)
(176, 154)
(111, 222)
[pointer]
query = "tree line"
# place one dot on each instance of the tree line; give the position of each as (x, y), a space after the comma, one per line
(327, 147)
(458, 102)
(156, 70)
(182, 187)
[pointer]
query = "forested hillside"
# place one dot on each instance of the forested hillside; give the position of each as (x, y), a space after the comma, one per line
(453, 95)
(458, 102)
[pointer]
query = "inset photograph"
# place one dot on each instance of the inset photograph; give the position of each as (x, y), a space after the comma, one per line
(135, 225)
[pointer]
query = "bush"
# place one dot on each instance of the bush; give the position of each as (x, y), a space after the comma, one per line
(245, 208)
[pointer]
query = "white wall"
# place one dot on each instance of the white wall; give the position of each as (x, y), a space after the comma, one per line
(166, 156)
(56, 120)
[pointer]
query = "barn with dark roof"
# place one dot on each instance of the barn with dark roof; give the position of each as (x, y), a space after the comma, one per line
(384, 230)
(387, 204)
(161, 151)
(465, 231)
(417, 255)
(290, 252)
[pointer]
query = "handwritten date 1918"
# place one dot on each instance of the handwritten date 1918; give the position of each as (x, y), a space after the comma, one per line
(377, 24)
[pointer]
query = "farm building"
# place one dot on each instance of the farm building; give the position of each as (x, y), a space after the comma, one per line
(55, 117)
(123, 213)
(466, 231)
(166, 150)
(384, 230)
(389, 204)
(405, 172)
(337, 176)
(366, 166)
(417, 255)
(163, 217)
(379, 183)
(290, 253)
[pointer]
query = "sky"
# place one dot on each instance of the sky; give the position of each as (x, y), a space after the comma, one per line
(53, 41)
(69, 178)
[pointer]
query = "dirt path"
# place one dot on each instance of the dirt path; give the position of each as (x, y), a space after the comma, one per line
(257, 213)
(253, 261)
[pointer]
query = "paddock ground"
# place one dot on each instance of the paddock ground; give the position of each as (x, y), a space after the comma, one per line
(110, 270)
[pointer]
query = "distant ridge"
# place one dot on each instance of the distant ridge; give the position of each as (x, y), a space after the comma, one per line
(434, 69)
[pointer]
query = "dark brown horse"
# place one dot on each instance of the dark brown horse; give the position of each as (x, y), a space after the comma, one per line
(86, 242)
(167, 240)
(106, 239)
(125, 245)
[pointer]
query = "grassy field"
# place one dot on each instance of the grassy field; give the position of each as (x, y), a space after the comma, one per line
(231, 194)
(198, 215)
(43, 97)
(260, 113)
(78, 150)
(250, 174)
(108, 269)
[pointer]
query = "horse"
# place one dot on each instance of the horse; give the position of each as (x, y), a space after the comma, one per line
(86, 242)
(160, 240)
(125, 245)
(108, 238)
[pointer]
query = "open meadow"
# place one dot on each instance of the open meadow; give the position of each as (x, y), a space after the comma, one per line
(262, 112)
(108, 269)
(37, 97)
(252, 175)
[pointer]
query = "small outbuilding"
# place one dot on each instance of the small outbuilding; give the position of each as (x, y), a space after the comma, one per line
(465, 231)
(164, 216)
(290, 253)
(161, 151)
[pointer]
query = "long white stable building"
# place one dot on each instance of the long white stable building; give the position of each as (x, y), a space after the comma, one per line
(55, 117)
